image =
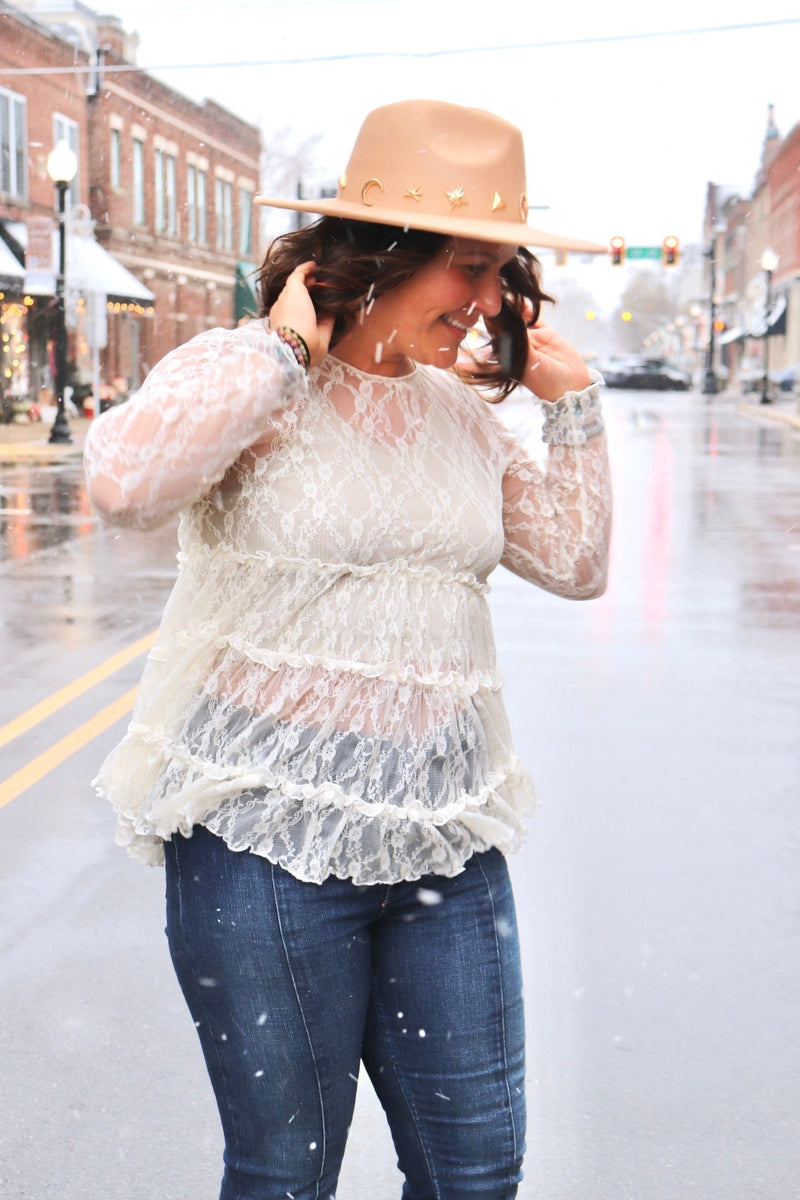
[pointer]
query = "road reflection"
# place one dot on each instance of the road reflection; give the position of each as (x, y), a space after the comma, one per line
(42, 507)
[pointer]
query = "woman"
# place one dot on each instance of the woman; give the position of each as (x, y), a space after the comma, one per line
(319, 750)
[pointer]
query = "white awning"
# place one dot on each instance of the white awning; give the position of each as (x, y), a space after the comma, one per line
(731, 335)
(90, 269)
(93, 269)
(777, 311)
(11, 272)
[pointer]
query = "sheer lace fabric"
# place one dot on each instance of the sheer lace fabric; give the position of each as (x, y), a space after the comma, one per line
(324, 690)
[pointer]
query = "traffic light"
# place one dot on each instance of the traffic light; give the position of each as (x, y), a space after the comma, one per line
(719, 325)
(669, 251)
(617, 251)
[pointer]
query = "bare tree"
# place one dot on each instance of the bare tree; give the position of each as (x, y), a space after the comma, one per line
(287, 169)
(575, 315)
(651, 301)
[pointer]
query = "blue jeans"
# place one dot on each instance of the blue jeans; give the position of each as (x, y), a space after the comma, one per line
(292, 984)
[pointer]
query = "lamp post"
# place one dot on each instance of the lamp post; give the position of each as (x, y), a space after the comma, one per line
(710, 378)
(61, 167)
(769, 263)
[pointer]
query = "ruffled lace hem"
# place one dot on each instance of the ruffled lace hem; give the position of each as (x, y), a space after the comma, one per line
(314, 832)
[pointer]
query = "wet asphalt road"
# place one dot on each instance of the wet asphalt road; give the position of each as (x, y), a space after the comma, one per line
(658, 892)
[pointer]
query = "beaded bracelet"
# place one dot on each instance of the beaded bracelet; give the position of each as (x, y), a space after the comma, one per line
(575, 417)
(291, 338)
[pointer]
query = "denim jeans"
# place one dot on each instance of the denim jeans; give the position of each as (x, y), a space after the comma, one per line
(292, 984)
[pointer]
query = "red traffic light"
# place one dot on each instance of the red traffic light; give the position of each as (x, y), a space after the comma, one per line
(617, 251)
(669, 251)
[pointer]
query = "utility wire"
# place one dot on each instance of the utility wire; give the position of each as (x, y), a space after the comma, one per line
(122, 68)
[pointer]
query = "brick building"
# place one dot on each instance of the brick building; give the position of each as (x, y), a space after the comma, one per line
(161, 224)
(740, 225)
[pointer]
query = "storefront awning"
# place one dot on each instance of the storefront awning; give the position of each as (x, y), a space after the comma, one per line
(731, 335)
(244, 296)
(90, 269)
(12, 273)
(775, 323)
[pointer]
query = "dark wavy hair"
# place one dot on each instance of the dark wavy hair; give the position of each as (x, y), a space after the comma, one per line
(358, 261)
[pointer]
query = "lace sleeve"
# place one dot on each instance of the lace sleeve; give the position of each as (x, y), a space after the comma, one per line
(198, 409)
(557, 517)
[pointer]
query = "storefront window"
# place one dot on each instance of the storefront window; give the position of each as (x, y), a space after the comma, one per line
(14, 349)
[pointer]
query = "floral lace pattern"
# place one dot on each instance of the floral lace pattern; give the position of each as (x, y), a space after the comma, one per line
(324, 690)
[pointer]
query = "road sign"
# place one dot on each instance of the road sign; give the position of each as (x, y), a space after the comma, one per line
(644, 252)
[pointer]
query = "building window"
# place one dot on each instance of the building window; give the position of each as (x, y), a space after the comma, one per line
(138, 182)
(65, 130)
(196, 204)
(224, 213)
(13, 181)
(171, 186)
(158, 188)
(191, 203)
(202, 208)
(245, 223)
(116, 158)
(164, 184)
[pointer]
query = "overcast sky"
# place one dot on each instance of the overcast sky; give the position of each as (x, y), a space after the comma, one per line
(622, 131)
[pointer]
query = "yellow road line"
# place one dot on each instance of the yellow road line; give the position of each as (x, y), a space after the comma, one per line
(28, 775)
(71, 691)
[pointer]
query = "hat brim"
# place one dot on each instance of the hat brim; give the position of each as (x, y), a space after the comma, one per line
(507, 233)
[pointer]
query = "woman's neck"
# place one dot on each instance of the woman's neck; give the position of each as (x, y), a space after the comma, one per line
(370, 355)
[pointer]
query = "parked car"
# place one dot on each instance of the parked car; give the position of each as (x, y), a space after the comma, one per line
(650, 374)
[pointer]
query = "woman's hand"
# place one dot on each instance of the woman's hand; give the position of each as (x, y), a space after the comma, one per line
(554, 366)
(294, 308)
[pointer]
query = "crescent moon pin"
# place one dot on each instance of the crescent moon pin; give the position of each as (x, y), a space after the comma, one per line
(371, 183)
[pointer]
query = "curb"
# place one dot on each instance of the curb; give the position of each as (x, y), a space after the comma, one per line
(765, 412)
(22, 452)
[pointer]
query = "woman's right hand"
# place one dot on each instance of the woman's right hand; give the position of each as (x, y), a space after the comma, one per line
(295, 308)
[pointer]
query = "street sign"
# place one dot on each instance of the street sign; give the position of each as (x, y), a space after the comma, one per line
(644, 252)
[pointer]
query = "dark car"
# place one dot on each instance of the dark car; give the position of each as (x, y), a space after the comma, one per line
(647, 374)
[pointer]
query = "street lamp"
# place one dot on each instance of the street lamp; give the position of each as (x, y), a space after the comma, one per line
(710, 378)
(61, 167)
(769, 263)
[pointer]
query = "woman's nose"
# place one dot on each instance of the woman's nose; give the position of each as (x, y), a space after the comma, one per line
(487, 297)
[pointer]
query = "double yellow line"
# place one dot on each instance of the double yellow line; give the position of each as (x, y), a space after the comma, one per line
(35, 770)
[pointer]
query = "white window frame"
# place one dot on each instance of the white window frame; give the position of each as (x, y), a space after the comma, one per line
(245, 222)
(201, 198)
(171, 193)
(67, 130)
(224, 213)
(13, 146)
(116, 158)
(139, 194)
(159, 218)
(191, 202)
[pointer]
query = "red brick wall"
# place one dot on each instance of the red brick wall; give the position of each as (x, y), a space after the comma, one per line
(783, 183)
(24, 44)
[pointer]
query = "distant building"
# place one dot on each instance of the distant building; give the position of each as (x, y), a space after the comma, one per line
(740, 225)
(164, 194)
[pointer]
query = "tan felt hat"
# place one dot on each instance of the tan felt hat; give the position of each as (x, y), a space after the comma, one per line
(425, 164)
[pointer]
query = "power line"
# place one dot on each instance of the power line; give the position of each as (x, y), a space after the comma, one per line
(123, 68)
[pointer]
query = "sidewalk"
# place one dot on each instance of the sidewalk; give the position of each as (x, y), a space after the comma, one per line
(784, 412)
(28, 442)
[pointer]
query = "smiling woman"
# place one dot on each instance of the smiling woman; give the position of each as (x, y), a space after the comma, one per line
(320, 745)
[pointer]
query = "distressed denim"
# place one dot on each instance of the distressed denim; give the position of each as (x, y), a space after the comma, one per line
(291, 985)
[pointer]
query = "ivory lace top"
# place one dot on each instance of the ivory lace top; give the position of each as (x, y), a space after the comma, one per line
(323, 690)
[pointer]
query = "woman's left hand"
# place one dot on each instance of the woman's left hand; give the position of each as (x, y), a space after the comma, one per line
(294, 307)
(554, 366)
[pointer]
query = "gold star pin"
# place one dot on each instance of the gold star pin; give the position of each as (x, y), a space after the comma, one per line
(343, 181)
(456, 197)
(523, 207)
(497, 202)
(413, 194)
